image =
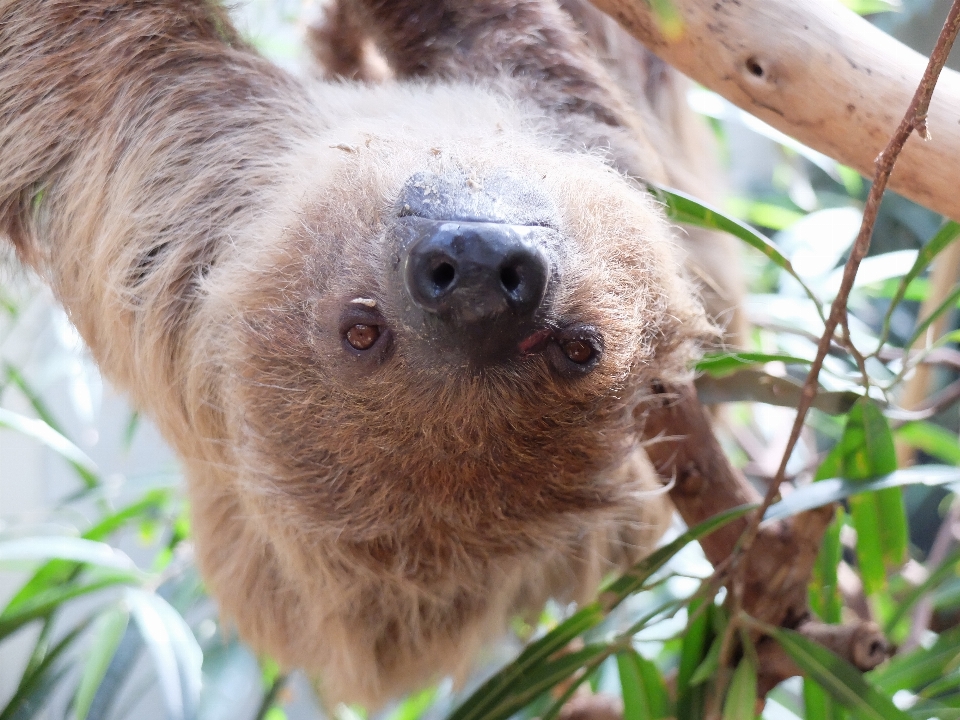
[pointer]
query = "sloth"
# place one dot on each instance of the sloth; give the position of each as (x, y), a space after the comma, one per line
(399, 334)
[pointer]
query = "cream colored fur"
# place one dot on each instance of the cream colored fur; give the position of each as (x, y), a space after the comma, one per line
(204, 218)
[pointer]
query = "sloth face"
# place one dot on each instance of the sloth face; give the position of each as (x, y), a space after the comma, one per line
(454, 348)
(473, 278)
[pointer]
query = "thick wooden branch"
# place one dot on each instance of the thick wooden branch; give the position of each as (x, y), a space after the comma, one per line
(681, 445)
(819, 73)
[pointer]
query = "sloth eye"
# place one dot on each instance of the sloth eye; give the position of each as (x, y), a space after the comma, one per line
(578, 351)
(362, 337)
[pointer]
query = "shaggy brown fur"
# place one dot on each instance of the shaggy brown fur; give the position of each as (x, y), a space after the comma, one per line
(207, 220)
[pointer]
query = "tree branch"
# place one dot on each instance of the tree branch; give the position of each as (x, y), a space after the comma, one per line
(679, 441)
(819, 73)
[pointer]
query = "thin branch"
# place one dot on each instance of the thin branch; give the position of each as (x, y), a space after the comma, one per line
(913, 120)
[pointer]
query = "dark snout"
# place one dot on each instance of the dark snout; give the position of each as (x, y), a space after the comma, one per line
(474, 290)
(474, 265)
(477, 273)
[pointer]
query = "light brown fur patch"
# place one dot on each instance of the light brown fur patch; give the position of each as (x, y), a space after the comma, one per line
(194, 210)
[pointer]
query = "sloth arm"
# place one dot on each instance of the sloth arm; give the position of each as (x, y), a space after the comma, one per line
(135, 144)
(532, 44)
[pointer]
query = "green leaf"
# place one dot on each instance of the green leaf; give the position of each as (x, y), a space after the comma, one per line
(545, 677)
(871, 7)
(109, 630)
(947, 569)
(37, 686)
(918, 668)
(751, 384)
(817, 703)
(47, 601)
(741, 700)
(824, 492)
(762, 214)
(685, 209)
(497, 690)
(633, 579)
(839, 678)
(33, 397)
(825, 598)
(867, 451)
(57, 572)
(722, 364)
(948, 304)
(491, 692)
(415, 705)
(177, 658)
(932, 439)
(692, 653)
(644, 690)
(711, 663)
(865, 519)
(40, 431)
(946, 235)
(130, 430)
(65, 548)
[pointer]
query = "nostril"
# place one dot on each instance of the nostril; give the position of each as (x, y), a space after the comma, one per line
(509, 278)
(443, 276)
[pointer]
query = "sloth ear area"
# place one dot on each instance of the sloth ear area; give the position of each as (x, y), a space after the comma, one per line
(364, 334)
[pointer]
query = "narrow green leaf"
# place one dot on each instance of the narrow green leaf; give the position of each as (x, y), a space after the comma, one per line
(946, 235)
(944, 685)
(835, 489)
(920, 667)
(40, 431)
(865, 519)
(65, 548)
(56, 572)
(867, 451)
(17, 379)
(130, 430)
(842, 680)
(871, 7)
(817, 703)
(37, 686)
(752, 384)
(741, 700)
(109, 630)
(948, 304)
(692, 653)
(51, 599)
(493, 692)
(949, 568)
(645, 694)
(415, 705)
(590, 675)
(711, 663)
(685, 209)
(177, 657)
(722, 364)
(633, 579)
(932, 439)
(545, 677)
(825, 598)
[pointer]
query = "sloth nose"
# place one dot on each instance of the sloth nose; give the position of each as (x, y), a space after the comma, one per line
(477, 273)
